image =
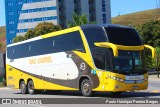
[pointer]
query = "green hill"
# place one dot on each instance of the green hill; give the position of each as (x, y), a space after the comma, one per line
(137, 18)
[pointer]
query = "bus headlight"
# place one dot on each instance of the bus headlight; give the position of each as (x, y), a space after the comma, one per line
(116, 78)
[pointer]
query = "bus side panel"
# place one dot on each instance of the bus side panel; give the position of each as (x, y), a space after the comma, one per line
(10, 77)
(15, 75)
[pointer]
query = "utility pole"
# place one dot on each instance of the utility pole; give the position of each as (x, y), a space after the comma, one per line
(157, 9)
(157, 66)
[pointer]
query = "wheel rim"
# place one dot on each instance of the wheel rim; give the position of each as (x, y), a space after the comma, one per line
(86, 88)
(23, 88)
(31, 88)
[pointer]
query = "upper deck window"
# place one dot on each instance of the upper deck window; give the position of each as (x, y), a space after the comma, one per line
(94, 34)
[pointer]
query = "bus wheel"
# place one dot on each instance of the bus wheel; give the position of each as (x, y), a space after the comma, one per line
(116, 93)
(23, 87)
(31, 89)
(86, 88)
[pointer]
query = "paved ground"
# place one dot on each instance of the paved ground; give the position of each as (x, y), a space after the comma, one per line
(153, 91)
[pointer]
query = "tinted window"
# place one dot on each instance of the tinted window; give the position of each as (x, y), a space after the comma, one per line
(66, 42)
(94, 34)
(123, 36)
(101, 58)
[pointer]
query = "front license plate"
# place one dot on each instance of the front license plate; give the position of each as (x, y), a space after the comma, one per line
(140, 77)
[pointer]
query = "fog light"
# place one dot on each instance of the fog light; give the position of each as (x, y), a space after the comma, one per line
(146, 79)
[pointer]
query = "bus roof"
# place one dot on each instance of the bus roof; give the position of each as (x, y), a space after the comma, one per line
(103, 25)
(69, 30)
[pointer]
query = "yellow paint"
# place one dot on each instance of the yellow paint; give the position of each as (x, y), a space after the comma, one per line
(40, 60)
(130, 48)
(109, 45)
(152, 50)
(57, 33)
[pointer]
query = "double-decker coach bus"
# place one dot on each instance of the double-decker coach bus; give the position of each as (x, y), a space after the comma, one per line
(89, 58)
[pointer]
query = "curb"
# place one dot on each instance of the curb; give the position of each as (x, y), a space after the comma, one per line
(154, 78)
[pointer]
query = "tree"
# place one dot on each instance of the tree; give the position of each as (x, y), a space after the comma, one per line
(18, 39)
(29, 34)
(150, 33)
(78, 20)
(1, 45)
(45, 27)
(157, 59)
(40, 29)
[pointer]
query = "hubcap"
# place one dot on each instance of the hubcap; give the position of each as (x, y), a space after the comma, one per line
(86, 87)
(30, 87)
(23, 88)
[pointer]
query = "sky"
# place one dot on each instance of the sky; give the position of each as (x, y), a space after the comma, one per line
(118, 7)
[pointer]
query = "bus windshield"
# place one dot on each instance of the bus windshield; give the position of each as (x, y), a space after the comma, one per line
(123, 36)
(129, 62)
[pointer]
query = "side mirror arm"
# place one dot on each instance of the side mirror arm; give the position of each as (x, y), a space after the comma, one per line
(109, 45)
(152, 50)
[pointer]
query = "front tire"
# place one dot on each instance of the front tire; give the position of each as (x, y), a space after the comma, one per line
(31, 89)
(86, 88)
(23, 87)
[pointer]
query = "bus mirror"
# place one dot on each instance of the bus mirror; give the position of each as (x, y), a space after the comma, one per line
(109, 45)
(152, 50)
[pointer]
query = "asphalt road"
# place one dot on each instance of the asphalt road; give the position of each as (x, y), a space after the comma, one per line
(153, 91)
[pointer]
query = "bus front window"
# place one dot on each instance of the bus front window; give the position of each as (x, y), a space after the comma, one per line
(129, 62)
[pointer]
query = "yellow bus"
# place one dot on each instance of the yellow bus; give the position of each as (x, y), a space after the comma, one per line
(88, 58)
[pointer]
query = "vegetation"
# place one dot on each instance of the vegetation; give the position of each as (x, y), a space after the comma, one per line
(137, 18)
(2, 39)
(79, 20)
(44, 28)
(40, 29)
(150, 33)
(18, 39)
(2, 31)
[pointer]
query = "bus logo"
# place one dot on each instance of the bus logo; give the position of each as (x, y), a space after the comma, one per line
(82, 66)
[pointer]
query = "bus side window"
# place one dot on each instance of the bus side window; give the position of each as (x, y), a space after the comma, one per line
(107, 61)
(99, 60)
